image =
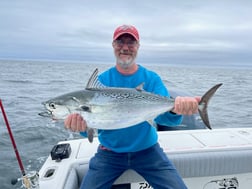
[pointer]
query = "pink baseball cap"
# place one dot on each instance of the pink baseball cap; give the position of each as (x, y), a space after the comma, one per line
(126, 29)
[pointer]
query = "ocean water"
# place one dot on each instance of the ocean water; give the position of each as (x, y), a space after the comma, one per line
(25, 84)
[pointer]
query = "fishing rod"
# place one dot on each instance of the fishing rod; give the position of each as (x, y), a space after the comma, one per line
(30, 180)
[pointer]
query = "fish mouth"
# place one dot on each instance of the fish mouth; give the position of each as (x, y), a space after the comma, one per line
(46, 114)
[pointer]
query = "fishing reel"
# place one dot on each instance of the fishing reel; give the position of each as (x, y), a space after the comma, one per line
(29, 181)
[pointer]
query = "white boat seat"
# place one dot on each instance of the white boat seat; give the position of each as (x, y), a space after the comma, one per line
(196, 164)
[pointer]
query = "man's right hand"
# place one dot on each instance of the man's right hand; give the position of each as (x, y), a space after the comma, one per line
(75, 122)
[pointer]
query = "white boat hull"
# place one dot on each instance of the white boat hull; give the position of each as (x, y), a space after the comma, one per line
(206, 159)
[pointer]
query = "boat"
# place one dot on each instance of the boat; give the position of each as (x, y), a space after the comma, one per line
(206, 159)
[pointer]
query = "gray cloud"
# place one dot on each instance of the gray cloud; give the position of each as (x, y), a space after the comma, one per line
(177, 31)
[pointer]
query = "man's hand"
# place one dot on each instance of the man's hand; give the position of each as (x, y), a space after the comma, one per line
(186, 105)
(75, 122)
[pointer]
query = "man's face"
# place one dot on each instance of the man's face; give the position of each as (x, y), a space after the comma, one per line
(125, 49)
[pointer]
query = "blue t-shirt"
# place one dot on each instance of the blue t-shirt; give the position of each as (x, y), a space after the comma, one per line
(143, 135)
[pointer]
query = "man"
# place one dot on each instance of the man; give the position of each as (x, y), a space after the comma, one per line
(134, 147)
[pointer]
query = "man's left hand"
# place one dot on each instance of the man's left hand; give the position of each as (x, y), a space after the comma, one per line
(186, 105)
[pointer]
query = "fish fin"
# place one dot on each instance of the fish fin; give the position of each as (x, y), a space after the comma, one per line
(140, 87)
(204, 103)
(151, 122)
(93, 82)
(90, 134)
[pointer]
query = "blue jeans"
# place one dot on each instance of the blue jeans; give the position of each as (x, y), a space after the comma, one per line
(152, 164)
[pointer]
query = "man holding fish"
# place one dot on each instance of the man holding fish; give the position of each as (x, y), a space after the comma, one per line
(135, 147)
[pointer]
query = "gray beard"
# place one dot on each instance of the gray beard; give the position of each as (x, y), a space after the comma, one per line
(125, 64)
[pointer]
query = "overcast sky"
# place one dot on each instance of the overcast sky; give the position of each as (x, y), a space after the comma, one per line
(213, 31)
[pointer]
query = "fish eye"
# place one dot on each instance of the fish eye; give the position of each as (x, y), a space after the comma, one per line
(52, 105)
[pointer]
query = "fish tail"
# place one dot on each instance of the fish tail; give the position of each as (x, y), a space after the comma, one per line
(204, 103)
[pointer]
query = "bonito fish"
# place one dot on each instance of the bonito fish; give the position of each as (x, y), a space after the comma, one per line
(116, 108)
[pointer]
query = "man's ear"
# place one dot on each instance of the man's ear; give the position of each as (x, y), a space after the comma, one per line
(138, 45)
(113, 44)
